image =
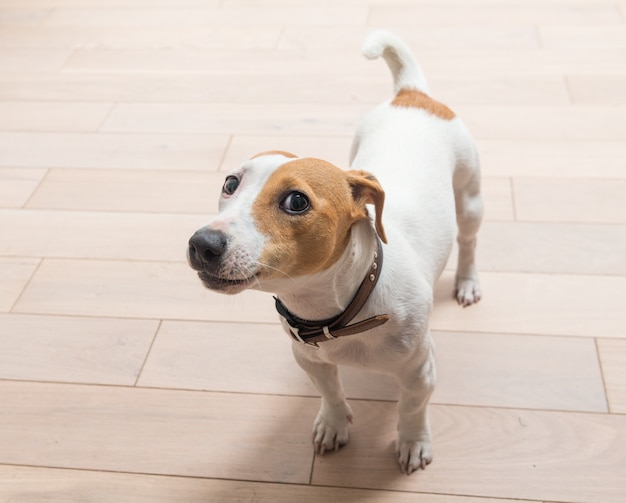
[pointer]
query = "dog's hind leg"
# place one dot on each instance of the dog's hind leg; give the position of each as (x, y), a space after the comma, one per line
(469, 213)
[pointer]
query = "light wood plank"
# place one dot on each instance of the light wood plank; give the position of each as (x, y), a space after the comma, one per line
(170, 191)
(32, 60)
(71, 486)
(569, 37)
(498, 199)
(213, 356)
(189, 61)
(87, 350)
(564, 200)
(54, 117)
(130, 289)
(16, 4)
(115, 235)
(85, 150)
(170, 290)
(20, 4)
(134, 37)
(549, 304)
(473, 369)
(301, 119)
(220, 356)
(523, 62)
(597, 90)
(549, 159)
(505, 123)
(337, 15)
(370, 84)
(14, 275)
(129, 191)
(441, 36)
(23, 17)
(613, 361)
(546, 123)
(489, 452)
(443, 64)
(520, 90)
(570, 248)
(17, 185)
(157, 431)
(488, 14)
(506, 370)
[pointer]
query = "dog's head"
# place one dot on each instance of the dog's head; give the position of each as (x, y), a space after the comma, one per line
(281, 217)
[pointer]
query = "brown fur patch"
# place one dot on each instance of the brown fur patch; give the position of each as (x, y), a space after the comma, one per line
(275, 152)
(412, 98)
(306, 243)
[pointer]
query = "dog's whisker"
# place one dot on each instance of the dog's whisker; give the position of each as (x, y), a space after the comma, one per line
(267, 266)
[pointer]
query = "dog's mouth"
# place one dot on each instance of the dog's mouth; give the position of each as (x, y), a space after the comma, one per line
(225, 285)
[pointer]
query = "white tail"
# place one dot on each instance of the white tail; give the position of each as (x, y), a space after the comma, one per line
(406, 72)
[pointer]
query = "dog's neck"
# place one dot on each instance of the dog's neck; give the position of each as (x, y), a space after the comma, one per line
(326, 294)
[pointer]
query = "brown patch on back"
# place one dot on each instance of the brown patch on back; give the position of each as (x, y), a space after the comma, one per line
(412, 98)
(275, 152)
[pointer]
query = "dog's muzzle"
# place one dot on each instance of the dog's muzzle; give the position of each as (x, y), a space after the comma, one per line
(207, 254)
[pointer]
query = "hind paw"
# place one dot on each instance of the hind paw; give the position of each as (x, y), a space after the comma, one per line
(467, 291)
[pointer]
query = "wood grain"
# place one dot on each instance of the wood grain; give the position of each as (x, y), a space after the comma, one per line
(123, 379)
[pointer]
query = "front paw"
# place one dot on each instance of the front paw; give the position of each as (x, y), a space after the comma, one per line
(413, 455)
(330, 430)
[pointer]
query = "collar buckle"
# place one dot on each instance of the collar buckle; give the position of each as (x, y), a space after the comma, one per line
(295, 334)
(327, 333)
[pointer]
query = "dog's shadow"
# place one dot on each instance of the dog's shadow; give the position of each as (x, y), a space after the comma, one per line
(369, 459)
(369, 451)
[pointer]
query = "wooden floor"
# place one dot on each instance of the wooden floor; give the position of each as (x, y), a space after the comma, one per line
(123, 380)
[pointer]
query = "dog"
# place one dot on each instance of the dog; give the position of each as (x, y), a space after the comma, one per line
(353, 283)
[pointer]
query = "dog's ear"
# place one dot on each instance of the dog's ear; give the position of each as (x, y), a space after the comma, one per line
(366, 189)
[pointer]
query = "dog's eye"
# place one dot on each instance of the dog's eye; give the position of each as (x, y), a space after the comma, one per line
(230, 185)
(295, 202)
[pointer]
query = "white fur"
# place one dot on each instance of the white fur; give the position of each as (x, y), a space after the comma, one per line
(425, 164)
(406, 71)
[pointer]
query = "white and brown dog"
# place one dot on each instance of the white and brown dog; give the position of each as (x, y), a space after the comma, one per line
(300, 228)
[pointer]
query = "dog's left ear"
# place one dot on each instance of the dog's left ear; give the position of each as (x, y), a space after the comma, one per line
(366, 189)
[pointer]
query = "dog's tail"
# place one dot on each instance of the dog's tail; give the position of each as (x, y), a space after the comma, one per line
(406, 72)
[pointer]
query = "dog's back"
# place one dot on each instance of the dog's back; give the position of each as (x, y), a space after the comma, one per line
(416, 147)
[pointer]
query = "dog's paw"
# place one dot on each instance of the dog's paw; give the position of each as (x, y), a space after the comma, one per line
(467, 291)
(330, 430)
(413, 455)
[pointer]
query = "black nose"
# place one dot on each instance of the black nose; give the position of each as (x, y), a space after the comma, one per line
(206, 246)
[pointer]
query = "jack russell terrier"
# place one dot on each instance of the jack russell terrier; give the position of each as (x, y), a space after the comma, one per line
(300, 228)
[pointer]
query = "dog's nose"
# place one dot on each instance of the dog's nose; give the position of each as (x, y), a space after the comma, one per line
(206, 245)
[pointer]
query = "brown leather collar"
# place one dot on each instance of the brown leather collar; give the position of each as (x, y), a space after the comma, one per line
(314, 332)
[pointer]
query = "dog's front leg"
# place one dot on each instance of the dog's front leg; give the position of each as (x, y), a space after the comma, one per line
(413, 446)
(330, 429)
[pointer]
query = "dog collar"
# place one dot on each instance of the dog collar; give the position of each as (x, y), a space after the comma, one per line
(314, 332)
